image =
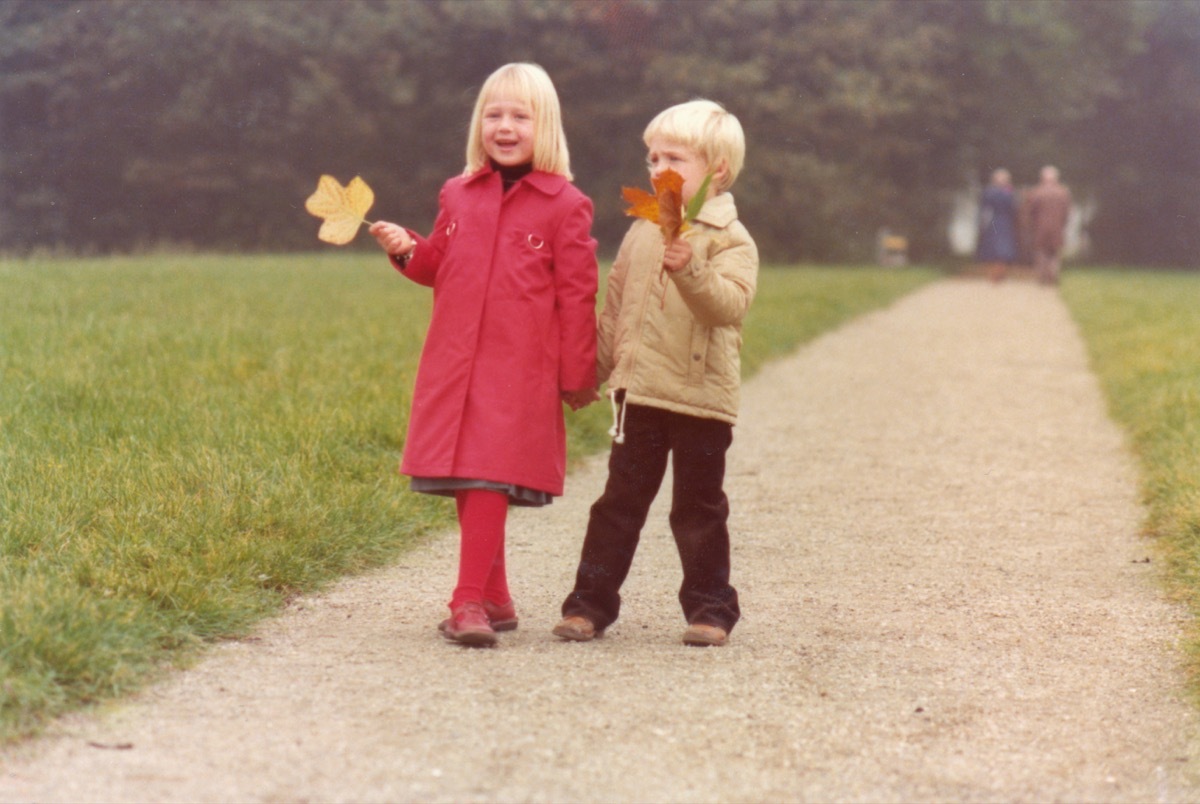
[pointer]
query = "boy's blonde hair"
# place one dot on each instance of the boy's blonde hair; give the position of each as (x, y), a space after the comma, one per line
(705, 127)
(527, 83)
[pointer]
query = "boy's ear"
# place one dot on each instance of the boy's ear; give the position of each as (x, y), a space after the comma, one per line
(720, 175)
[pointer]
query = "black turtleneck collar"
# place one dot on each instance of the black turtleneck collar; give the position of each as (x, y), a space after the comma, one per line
(511, 174)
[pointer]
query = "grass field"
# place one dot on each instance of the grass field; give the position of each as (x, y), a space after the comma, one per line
(188, 441)
(1143, 335)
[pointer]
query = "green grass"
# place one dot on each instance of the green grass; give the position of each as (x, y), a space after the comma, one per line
(1143, 335)
(188, 441)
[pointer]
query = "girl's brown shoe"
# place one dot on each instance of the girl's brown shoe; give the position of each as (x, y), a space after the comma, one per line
(502, 618)
(469, 625)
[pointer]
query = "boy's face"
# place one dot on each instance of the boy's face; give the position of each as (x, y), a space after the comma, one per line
(508, 131)
(685, 161)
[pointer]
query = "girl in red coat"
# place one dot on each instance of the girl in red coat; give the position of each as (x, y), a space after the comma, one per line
(512, 264)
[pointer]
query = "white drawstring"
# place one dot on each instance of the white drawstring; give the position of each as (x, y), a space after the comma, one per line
(617, 431)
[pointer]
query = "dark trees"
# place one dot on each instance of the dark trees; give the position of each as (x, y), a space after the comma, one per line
(205, 123)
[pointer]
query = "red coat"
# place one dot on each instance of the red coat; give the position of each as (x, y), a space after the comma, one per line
(514, 324)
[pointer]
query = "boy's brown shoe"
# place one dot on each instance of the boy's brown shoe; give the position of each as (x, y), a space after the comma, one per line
(576, 629)
(704, 636)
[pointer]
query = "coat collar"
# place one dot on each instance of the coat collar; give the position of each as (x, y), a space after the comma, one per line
(718, 211)
(540, 180)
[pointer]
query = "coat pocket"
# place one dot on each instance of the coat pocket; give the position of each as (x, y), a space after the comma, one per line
(443, 238)
(528, 262)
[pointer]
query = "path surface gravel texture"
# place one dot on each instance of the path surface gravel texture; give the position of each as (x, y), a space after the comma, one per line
(945, 595)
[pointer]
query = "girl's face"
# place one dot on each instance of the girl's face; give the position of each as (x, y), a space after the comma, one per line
(508, 131)
(685, 161)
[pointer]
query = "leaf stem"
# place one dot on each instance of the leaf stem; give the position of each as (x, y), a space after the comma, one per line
(697, 201)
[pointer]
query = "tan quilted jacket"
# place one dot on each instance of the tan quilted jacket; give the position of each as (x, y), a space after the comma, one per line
(673, 340)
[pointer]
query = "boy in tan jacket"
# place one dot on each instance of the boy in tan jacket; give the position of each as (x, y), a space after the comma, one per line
(669, 344)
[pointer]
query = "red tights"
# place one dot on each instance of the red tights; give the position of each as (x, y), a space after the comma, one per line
(481, 574)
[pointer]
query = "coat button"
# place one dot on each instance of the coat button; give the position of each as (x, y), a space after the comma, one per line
(695, 357)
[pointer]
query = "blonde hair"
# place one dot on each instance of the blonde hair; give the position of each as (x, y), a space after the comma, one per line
(526, 83)
(705, 127)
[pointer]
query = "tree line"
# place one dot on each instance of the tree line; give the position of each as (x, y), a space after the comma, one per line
(204, 124)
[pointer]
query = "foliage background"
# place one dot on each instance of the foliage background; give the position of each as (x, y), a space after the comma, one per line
(203, 124)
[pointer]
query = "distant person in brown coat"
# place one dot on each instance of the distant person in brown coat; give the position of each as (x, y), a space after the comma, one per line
(1049, 206)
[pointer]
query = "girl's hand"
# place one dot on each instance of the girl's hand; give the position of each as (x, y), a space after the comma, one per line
(677, 256)
(577, 400)
(393, 239)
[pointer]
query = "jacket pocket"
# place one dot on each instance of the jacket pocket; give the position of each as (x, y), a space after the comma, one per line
(698, 354)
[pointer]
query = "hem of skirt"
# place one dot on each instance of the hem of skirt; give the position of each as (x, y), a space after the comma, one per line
(447, 486)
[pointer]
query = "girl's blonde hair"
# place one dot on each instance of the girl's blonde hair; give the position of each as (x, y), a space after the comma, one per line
(705, 127)
(527, 83)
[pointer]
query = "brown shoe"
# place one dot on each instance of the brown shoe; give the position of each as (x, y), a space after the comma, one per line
(502, 618)
(469, 625)
(576, 629)
(705, 636)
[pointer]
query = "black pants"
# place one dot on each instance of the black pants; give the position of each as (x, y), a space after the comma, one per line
(699, 515)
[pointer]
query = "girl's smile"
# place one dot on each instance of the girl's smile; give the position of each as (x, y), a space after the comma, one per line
(508, 132)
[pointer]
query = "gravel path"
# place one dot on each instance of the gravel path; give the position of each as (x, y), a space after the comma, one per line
(945, 599)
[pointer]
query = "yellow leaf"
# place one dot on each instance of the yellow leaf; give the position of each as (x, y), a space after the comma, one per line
(342, 208)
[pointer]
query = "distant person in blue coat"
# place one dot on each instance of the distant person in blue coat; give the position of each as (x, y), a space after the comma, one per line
(997, 247)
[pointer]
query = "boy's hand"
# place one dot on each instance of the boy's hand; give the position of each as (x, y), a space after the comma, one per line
(393, 239)
(577, 400)
(677, 256)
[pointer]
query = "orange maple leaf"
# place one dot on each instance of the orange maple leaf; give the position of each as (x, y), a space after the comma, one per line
(665, 207)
